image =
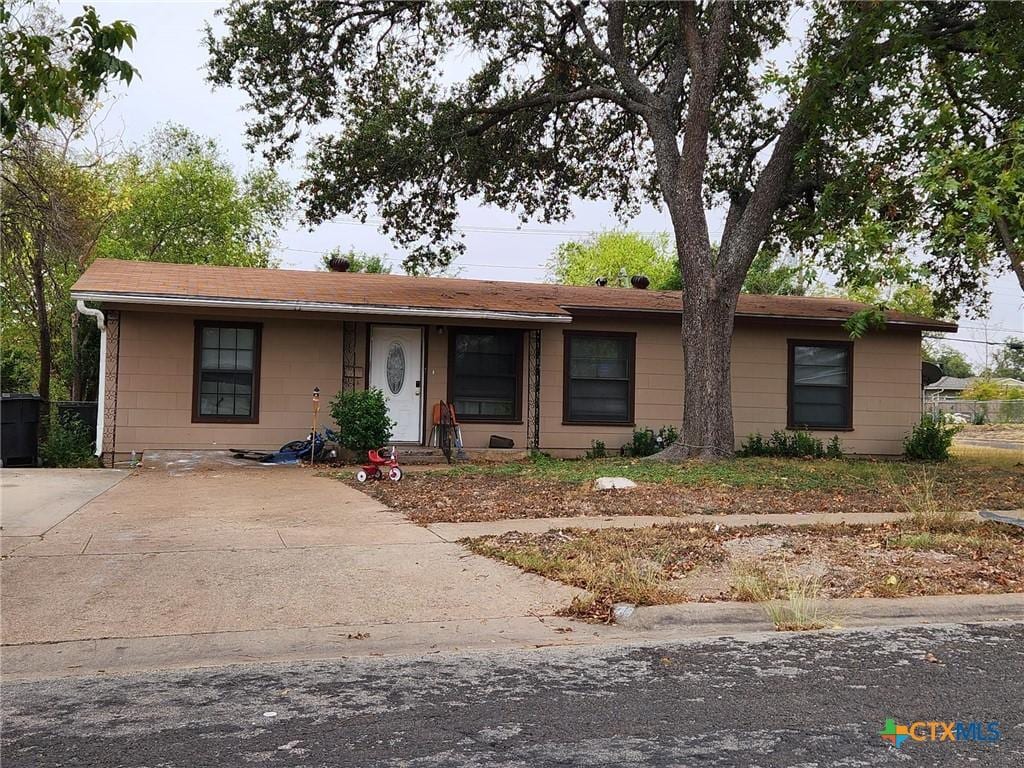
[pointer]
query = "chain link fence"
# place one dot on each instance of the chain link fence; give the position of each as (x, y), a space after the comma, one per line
(978, 411)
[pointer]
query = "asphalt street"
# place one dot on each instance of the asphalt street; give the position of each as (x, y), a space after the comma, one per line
(773, 700)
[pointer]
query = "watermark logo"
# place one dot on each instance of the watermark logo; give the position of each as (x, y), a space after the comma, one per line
(940, 730)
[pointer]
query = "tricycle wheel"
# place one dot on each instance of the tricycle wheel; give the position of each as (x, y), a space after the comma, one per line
(361, 475)
(395, 474)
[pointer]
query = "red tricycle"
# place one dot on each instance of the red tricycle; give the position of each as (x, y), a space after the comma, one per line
(380, 460)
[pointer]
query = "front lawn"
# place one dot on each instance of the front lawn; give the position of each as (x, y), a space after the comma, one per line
(554, 488)
(672, 564)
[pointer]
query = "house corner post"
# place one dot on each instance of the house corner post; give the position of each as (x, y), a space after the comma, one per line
(533, 391)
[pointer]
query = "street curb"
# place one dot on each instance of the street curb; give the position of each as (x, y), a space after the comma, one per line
(846, 612)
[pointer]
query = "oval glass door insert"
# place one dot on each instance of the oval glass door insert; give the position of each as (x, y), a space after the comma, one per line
(395, 368)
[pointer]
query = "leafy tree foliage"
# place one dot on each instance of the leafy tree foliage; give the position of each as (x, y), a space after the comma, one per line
(50, 70)
(54, 208)
(677, 104)
(1009, 360)
(617, 256)
(358, 261)
(952, 361)
(180, 201)
(173, 200)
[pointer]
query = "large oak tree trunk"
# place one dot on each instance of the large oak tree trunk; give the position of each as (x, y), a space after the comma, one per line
(707, 428)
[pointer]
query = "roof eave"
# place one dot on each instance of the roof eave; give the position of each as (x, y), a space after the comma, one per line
(639, 312)
(209, 302)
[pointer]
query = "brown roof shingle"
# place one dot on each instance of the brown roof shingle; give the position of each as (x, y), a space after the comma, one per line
(109, 280)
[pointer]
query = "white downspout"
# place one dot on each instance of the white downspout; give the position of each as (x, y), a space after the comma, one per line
(101, 394)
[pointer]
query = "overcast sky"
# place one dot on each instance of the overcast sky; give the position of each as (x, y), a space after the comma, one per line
(170, 56)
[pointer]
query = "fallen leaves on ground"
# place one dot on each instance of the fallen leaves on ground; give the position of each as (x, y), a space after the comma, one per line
(457, 498)
(649, 566)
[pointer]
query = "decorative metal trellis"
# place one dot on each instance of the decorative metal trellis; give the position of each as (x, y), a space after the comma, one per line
(533, 391)
(348, 357)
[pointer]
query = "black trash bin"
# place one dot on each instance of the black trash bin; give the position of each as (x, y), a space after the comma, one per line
(19, 429)
(85, 410)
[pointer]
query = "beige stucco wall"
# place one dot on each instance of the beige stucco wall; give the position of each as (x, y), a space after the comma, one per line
(154, 400)
(154, 388)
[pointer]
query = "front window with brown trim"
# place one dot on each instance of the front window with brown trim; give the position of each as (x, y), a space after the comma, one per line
(599, 377)
(485, 374)
(227, 372)
(820, 384)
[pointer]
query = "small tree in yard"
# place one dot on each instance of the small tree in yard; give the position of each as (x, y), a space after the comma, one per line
(362, 418)
(529, 106)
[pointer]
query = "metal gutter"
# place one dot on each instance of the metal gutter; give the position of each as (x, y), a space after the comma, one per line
(314, 306)
(937, 325)
(101, 393)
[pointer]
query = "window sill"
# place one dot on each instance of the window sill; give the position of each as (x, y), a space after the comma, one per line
(816, 428)
(566, 423)
(223, 420)
(486, 420)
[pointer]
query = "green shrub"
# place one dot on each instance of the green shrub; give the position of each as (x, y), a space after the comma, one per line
(362, 419)
(598, 450)
(791, 445)
(70, 444)
(930, 439)
(834, 449)
(647, 442)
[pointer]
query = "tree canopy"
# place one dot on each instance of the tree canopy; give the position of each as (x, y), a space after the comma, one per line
(952, 361)
(49, 70)
(1009, 360)
(410, 108)
(180, 201)
(616, 256)
(358, 261)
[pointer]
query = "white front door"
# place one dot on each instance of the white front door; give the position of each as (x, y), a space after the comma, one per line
(396, 369)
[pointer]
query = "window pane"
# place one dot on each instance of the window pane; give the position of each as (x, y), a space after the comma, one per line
(244, 338)
(485, 374)
(227, 361)
(599, 378)
(597, 400)
(820, 374)
(819, 415)
(821, 386)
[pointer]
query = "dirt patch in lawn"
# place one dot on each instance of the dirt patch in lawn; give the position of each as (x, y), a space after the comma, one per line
(672, 564)
(476, 496)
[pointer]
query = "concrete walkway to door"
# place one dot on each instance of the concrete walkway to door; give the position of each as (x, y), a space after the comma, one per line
(228, 563)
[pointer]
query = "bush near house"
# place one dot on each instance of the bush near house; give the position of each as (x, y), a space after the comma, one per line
(647, 442)
(362, 419)
(930, 439)
(69, 444)
(791, 445)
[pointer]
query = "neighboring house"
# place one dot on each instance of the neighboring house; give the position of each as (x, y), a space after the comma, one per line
(216, 357)
(952, 387)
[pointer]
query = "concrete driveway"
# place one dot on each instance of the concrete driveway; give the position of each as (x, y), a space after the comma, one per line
(171, 568)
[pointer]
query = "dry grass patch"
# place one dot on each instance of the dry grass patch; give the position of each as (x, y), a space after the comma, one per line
(650, 566)
(800, 607)
(613, 565)
(751, 581)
